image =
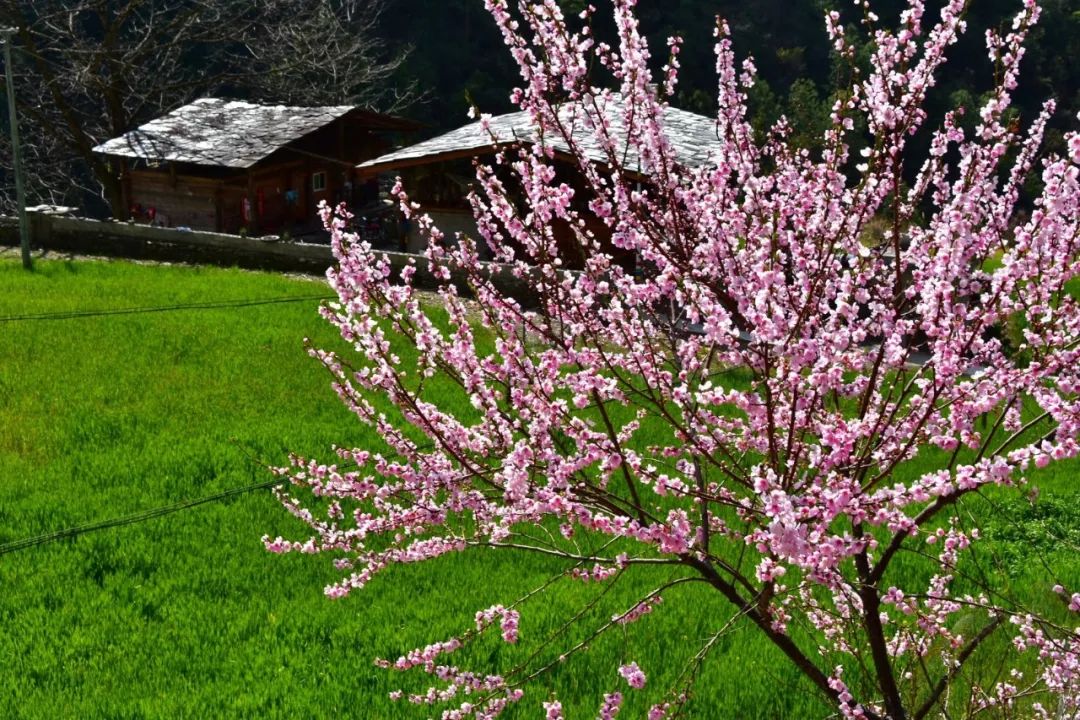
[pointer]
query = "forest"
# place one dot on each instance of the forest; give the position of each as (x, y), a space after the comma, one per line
(89, 70)
(457, 56)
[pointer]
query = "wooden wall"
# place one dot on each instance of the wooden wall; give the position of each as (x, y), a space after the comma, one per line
(177, 201)
(211, 198)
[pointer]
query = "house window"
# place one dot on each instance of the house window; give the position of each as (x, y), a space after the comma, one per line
(318, 181)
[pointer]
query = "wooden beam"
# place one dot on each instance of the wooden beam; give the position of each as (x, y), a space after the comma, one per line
(219, 210)
(125, 187)
(372, 170)
(253, 210)
(470, 153)
(160, 177)
(340, 127)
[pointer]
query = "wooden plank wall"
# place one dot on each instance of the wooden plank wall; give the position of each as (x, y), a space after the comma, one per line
(180, 201)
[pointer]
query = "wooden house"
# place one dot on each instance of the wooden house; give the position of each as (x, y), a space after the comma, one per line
(233, 166)
(438, 172)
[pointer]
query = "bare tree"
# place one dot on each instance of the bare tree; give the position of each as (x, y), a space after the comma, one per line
(329, 53)
(89, 70)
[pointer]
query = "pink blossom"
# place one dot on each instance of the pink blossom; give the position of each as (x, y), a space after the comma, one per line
(610, 707)
(553, 710)
(633, 675)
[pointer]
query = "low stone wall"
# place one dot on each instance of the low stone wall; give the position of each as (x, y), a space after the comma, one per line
(57, 233)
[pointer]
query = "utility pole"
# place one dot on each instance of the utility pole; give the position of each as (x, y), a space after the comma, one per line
(20, 192)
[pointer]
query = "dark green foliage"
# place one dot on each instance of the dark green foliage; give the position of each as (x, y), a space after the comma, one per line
(458, 56)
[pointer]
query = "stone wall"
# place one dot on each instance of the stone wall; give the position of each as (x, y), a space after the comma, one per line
(60, 234)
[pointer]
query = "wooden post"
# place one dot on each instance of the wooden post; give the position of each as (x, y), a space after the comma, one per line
(336, 179)
(20, 190)
(253, 210)
(308, 193)
(125, 187)
(219, 208)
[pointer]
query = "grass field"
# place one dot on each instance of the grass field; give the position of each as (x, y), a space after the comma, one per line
(187, 615)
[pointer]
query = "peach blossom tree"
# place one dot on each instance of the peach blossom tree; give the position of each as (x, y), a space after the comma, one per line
(830, 403)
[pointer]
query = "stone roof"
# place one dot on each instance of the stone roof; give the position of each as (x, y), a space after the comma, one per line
(226, 133)
(693, 137)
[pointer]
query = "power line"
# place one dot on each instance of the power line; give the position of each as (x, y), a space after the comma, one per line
(77, 314)
(71, 532)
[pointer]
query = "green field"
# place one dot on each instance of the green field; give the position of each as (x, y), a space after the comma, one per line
(187, 615)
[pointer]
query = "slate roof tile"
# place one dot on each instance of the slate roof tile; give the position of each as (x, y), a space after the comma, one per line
(221, 133)
(693, 137)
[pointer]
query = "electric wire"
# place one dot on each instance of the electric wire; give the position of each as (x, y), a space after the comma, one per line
(213, 305)
(77, 530)
(143, 516)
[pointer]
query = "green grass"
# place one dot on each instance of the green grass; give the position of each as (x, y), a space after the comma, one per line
(188, 615)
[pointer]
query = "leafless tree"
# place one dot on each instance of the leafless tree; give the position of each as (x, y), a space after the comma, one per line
(328, 53)
(88, 70)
